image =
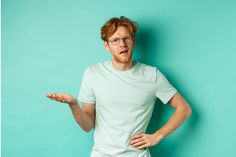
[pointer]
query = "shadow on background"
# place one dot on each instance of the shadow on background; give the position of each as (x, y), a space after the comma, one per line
(148, 51)
(147, 43)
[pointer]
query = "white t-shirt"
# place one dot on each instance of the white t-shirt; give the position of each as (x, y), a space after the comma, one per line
(124, 103)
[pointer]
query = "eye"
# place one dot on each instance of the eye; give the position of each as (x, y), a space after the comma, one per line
(127, 39)
(115, 40)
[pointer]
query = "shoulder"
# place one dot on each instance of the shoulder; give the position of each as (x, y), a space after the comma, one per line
(96, 67)
(151, 72)
(147, 69)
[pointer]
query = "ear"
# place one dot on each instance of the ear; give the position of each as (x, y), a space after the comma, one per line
(106, 46)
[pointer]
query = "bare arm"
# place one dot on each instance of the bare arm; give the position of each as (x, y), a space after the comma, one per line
(83, 116)
(182, 112)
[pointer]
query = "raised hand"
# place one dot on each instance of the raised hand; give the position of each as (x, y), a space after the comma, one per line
(63, 98)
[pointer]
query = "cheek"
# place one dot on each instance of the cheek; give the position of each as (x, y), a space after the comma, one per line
(131, 47)
(114, 52)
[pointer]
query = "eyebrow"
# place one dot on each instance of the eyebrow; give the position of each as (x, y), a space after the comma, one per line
(125, 36)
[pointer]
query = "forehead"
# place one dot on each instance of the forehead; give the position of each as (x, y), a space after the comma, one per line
(120, 32)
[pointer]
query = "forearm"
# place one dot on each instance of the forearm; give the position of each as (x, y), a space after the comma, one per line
(180, 115)
(85, 121)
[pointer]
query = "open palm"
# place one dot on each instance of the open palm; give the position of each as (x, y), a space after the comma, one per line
(63, 98)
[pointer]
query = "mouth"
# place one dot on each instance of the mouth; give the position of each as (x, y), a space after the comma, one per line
(124, 52)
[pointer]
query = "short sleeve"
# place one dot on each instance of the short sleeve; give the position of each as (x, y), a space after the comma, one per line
(164, 90)
(86, 93)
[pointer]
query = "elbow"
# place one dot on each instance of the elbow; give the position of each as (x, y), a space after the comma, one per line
(185, 111)
(188, 111)
(88, 129)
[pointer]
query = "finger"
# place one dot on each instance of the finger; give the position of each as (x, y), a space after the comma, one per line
(139, 144)
(55, 96)
(136, 140)
(136, 136)
(62, 98)
(52, 95)
(62, 101)
(59, 97)
(49, 95)
(143, 146)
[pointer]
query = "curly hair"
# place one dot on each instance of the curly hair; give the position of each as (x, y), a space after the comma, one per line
(110, 27)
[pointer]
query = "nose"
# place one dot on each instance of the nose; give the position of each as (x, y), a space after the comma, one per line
(122, 42)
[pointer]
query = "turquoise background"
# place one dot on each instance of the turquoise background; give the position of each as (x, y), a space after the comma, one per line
(47, 44)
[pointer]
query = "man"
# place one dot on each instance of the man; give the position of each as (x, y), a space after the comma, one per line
(118, 98)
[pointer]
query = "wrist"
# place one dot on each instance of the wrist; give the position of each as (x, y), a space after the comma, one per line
(73, 105)
(159, 136)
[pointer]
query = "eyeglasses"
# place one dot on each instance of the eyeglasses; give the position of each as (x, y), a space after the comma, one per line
(116, 41)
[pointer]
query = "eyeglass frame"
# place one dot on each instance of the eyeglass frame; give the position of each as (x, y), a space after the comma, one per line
(119, 40)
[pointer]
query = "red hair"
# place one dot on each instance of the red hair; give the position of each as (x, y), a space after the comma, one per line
(110, 27)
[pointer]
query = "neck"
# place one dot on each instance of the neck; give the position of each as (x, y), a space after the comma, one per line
(122, 66)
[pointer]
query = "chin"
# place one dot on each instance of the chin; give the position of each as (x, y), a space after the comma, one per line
(125, 60)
